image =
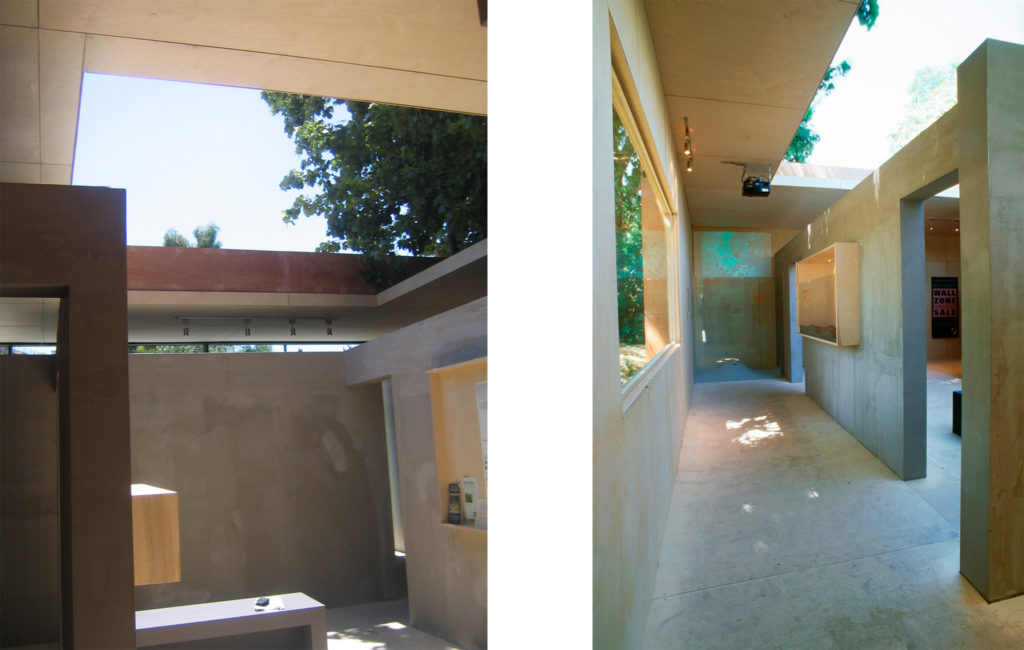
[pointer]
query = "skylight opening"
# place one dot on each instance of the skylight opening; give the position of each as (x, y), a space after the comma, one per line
(875, 99)
(190, 154)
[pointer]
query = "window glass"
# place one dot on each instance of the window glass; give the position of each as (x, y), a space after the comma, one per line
(640, 260)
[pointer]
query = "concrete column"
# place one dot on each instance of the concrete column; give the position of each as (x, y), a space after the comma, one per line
(991, 143)
(69, 242)
(40, 85)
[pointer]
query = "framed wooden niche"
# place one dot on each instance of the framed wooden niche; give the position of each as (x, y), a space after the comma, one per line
(459, 434)
(828, 295)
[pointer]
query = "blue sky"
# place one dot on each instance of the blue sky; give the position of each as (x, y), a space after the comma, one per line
(190, 154)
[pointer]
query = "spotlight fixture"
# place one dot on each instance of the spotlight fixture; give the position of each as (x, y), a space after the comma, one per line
(689, 164)
(291, 321)
(184, 329)
(687, 149)
(248, 330)
(956, 226)
(931, 224)
(330, 330)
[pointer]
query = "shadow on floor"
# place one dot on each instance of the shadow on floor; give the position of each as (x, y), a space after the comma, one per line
(378, 626)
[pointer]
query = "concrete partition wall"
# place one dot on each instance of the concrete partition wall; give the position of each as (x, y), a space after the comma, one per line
(281, 475)
(863, 387)
(446, 567)
(29, 518)
(990, 93)
(636, 441)
(69, 242)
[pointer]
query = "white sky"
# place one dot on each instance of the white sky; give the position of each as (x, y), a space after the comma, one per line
(870, 102)
(189, 154)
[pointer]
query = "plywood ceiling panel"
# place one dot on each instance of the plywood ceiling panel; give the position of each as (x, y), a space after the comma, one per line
(728, 129)
(744, 74)
(754, 53)
(443, 37)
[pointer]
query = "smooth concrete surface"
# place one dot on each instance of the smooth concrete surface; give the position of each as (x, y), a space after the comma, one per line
(446, 567)
(990, 90)
(785, 532)
(379, 626)
(69, 242)
(281, 475)
(29, 524)
(298, 623)
(634, 444)
(863, 387)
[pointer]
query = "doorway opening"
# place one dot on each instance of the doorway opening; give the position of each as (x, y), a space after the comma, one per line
(932, 352)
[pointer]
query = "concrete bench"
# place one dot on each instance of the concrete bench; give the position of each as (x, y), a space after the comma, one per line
(234, 624)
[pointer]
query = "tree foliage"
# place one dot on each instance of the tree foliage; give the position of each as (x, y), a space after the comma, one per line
(932, 92)
(802, 145)
(194, 348)
(206, 237)
(387, 178)
(628, 241)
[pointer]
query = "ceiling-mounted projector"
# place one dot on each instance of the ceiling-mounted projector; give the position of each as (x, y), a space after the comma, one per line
(756, 187)
(757, 178)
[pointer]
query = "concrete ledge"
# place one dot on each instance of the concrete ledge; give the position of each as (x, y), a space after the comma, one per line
(235, 623)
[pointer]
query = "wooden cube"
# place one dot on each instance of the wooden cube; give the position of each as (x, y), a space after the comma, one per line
(155, 535)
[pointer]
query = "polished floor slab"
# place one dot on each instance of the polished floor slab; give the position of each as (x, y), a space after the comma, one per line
(378, 626)
(785, 532)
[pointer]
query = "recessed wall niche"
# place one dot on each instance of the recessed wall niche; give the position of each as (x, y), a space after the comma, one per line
(828, 298)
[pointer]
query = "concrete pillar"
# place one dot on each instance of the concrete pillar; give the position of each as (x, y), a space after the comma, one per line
(40, 85)
(991, 142)
(68, 242)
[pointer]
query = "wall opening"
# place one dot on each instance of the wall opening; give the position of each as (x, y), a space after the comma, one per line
(931, 295)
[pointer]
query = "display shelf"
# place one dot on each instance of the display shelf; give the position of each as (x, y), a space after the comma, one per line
(459, 435)
(828, 299)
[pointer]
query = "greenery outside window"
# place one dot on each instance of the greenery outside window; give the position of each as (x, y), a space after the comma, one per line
(641, 258)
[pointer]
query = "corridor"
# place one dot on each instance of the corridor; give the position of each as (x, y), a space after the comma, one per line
(784, 532)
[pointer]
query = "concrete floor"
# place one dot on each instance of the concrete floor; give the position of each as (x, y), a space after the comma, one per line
(378, 626)
(784, 532)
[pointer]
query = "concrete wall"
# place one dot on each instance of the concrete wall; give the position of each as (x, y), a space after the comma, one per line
(29, 524)
(863, 387)
(281, 474)
(990, 91)
(636, 441)
(446, 567)
(942, 259)
(68, 242)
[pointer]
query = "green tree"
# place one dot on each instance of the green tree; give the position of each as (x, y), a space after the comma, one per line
(628, 240)
(932, 93)
(193, 348)
(175, 239)
(805, 137)
(206, 237)
(387, 178)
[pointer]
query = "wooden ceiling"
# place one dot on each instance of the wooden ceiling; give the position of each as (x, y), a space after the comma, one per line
(744, 74)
